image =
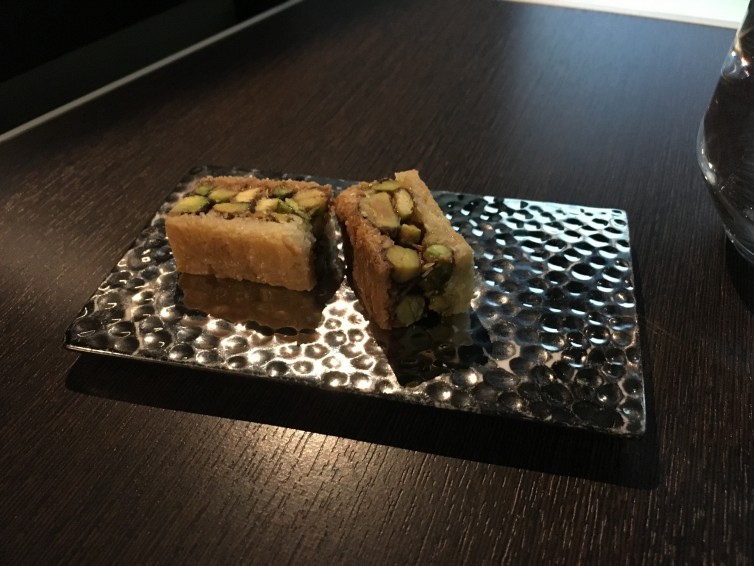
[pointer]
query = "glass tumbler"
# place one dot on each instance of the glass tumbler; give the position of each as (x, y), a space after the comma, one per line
(725, 144)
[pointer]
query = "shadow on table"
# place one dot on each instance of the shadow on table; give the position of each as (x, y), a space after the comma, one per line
(498, 441)
(741, 274)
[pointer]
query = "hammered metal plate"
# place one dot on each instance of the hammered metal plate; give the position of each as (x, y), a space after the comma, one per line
(552, 334)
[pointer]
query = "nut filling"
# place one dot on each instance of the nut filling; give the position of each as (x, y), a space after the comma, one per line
(274, 203)
(420, 269)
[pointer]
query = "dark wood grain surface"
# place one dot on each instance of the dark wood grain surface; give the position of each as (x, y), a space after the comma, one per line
(106, 460)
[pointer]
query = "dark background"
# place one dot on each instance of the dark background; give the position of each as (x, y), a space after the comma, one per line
(56, 51)
(39, 31)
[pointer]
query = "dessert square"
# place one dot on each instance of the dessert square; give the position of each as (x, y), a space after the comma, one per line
(406, 258)
(261, 230)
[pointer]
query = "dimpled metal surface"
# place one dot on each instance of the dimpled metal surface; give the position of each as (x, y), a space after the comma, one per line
(552, 334)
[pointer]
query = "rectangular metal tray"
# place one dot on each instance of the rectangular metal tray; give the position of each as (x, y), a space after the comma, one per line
(552, 334)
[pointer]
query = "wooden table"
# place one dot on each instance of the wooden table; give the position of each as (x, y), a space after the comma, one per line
(105, 460)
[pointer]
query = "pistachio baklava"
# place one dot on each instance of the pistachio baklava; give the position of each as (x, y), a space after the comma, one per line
(406, 257)
(261, 230)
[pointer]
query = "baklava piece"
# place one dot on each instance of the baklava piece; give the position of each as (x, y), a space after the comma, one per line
(261, 230)
(406, 257)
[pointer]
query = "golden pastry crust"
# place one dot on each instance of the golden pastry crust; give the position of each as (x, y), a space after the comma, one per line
(370, 269)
